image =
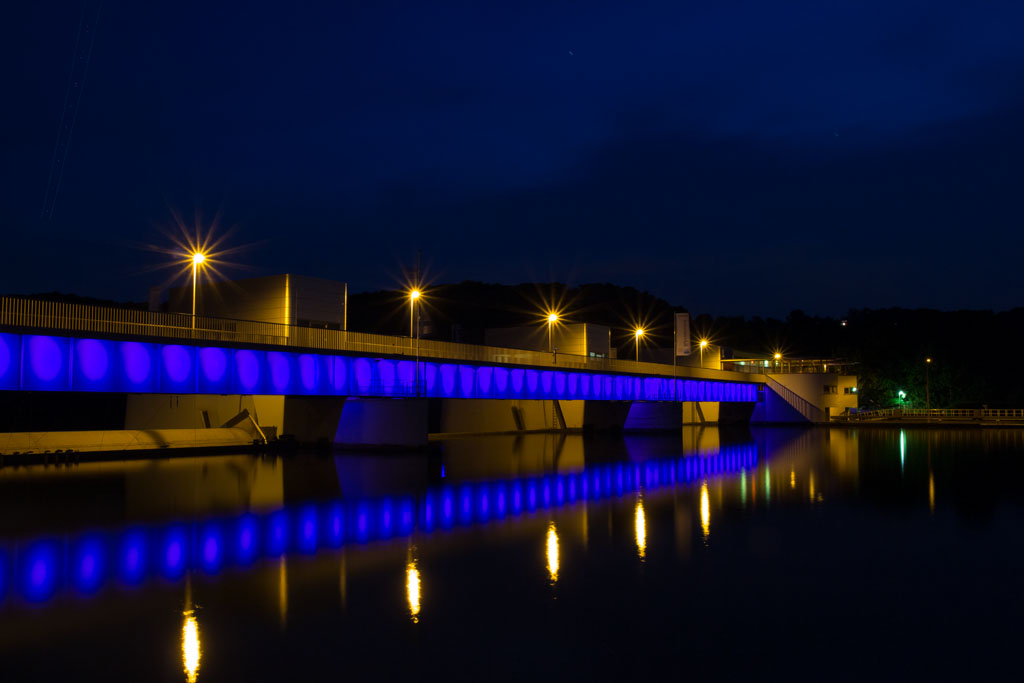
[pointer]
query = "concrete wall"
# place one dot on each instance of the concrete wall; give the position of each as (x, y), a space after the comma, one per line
(312, 419)
(185, 411)
(692, 416)
(472, 416)
(286, 299)
(578, 339)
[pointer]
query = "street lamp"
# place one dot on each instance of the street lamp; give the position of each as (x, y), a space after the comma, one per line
(901, 395)
(639, 332)
(703, 345)
(198, 258)
(413, 296)
(927, 397)
(552, 319)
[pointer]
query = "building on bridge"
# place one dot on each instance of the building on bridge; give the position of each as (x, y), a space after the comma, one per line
(821, 387)
(576, 339)
(286, 299)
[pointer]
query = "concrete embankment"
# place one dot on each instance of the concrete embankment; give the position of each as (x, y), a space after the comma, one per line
(22, 444)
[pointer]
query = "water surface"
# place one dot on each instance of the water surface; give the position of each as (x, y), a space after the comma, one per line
(806, 554)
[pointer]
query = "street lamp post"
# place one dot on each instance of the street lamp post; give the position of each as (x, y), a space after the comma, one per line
(198, 258)
(639, 333)
(703, 345)
(552, 319)
(414, 296)
(927, 396)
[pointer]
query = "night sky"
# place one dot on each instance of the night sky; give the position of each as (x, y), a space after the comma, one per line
(733, 157)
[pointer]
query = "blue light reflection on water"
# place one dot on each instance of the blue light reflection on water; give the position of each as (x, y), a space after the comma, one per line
(44, 567)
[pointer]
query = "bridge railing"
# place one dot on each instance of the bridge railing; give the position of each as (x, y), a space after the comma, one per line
(33, 314)
(987, 414)
(810, 411)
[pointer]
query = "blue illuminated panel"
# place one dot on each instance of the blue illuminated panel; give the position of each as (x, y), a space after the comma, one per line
(10, 361)
(46, 363)
(140, 367)
(215, 370)
(177, 369)
(251, 373)
(95, 365)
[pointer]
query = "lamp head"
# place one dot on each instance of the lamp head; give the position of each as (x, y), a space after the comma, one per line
(703, 343)
(198, 258)
(552, 318)
(778, 356)
(414, 294)
(639, 332)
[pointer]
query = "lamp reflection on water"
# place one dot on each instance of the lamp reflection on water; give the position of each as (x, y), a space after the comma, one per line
(705, 509)
(641, 529)
(552, 552)
(412, 589)
(931, 492)
(190, 646)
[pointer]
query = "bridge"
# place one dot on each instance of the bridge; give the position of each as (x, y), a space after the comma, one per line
(215, 366)
(49, 346)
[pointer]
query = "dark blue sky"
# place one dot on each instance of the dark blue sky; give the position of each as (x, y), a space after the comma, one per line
(733, 157)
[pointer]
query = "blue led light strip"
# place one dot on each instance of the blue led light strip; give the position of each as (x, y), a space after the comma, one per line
(47, 363)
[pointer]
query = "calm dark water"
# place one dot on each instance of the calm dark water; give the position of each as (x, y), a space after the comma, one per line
(773, 554)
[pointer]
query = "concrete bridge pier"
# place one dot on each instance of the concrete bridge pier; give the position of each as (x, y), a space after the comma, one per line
(482, 416)
(383, 422)
(654, 416)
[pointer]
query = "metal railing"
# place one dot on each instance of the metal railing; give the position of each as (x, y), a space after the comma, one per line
(52, 316)
(788, 367)
(810, 411)
(916, 414)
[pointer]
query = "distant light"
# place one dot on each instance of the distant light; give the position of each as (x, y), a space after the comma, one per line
(843, 323)
(778, 356)
(927, 360)
(198, 258)
(854, 390)
(902, 394)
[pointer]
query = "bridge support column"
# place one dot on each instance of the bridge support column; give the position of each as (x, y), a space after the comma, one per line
(383, 422)
(605, 415)
(700, 412)
(312, 419)
(654, 416)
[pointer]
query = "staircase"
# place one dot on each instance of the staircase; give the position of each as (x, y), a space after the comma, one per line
(808, 410)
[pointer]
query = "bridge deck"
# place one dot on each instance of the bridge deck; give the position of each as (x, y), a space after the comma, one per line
(103, 349)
